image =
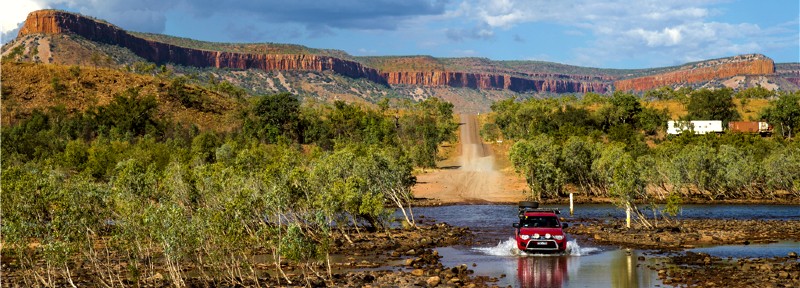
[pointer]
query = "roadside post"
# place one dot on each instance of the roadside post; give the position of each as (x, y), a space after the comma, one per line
(570, 205)
(628, 215)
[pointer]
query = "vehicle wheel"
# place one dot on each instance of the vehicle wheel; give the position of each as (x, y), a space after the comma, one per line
(528, 204)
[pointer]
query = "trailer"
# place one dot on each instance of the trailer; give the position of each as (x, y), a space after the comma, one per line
(697, 126)
(762, 128)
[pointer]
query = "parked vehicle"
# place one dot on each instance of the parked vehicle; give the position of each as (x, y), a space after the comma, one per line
(762, 128)
(539, 229)
(698, 126)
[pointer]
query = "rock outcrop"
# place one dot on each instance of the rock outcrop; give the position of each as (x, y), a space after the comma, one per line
(418, 71)
(57, 22)
(751, 64)
(493, 81)
(789, 71)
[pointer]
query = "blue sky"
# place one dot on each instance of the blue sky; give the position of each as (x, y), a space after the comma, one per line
(608, 34)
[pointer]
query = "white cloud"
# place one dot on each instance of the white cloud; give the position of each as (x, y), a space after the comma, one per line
(663, 30)
(666, 37)
(13, 13)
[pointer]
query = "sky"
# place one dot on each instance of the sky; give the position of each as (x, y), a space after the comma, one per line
(596, 33)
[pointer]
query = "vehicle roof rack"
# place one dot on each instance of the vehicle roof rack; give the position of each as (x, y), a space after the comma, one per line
(528, 209)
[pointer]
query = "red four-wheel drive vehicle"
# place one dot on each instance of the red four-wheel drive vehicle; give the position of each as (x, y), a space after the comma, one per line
(539, 229)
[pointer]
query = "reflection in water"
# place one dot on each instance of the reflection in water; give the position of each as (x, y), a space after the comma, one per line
(623, 272)
(583, 267)
(542, 271)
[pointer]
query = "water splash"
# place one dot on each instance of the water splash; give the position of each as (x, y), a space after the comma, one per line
(573, 249)
(509, 248)
(503, 248)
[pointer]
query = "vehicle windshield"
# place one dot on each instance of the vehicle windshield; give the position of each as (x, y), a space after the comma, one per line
(539, 221)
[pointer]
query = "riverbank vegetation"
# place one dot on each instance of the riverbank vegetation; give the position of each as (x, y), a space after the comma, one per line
(616, 147)
(121, 194)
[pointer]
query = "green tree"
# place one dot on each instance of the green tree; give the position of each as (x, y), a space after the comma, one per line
(623, 108)
(783, 168)
(699, 168)
(652, 120)
(539, 160)
(76, 155)
(275, 116)
(33, 138)
(682, 94)
(572, 121)
(130, 113)
(756, 92)
(706, 104)
(204, 146)
(663, 93)
(623, 179)
(592, 98)
(505, 117)
(490, 131)
(784, 113)
(578, 154)
(739, 175)
(424, 128)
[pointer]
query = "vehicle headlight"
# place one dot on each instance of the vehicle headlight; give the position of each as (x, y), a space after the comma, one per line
(547, 236)
(524, 237)
(536, 236)
(559, 237)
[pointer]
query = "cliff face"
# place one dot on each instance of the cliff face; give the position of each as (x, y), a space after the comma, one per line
(421, 71)
(789, 71)
(56, 22)
(704, 71)
(493, 81)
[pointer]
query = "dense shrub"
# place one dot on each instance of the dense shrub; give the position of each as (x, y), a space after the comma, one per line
(161, 199)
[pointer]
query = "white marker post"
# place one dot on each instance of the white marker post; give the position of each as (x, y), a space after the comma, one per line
(570, 205)
(628, 215)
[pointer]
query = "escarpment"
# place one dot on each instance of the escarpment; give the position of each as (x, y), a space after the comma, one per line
(752, 64)
(493, 81)
(56, 22)
(474, 73)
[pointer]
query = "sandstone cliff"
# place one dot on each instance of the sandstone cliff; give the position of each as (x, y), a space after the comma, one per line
(475, 73)
(752, 64)
(493, 81)
(56, 22)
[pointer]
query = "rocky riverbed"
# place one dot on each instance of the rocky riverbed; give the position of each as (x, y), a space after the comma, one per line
(390, 258)
(689, 233)
(406, 259)
(402, 257)
(687, 268)
(692, 269)
(409, 260)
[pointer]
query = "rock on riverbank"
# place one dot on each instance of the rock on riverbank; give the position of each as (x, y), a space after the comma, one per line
(688, 233)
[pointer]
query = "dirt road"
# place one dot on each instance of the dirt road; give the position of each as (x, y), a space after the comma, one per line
(471, 177)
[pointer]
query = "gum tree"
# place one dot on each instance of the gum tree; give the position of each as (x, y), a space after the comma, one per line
(538, 159)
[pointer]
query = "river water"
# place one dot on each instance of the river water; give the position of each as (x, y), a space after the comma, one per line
(586, 265)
